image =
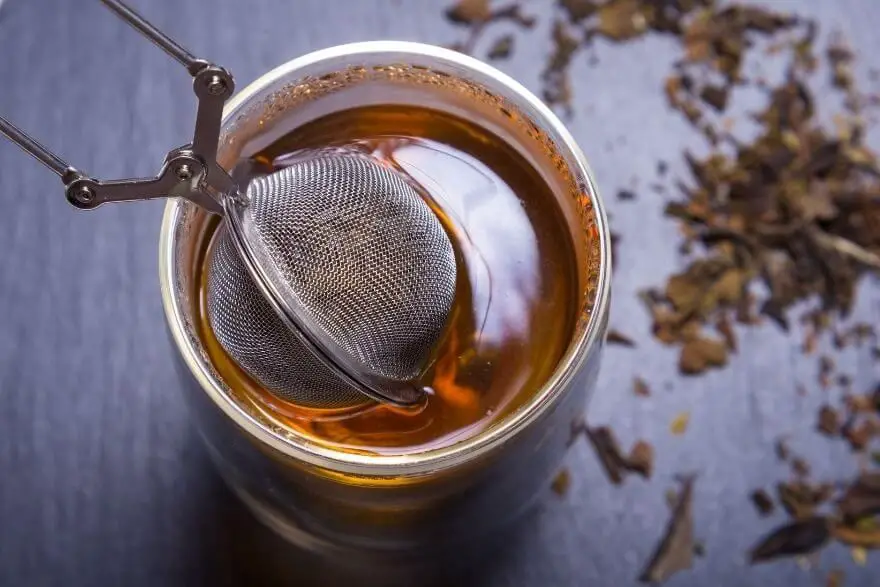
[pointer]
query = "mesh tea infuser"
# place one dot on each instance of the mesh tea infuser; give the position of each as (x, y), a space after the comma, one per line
(330, 280)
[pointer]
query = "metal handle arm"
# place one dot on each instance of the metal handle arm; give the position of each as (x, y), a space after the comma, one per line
(190, 171)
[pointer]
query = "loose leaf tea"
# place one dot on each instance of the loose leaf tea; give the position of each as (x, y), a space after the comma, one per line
(476, 15)
(561, 482)
(800, 499)
(641, 459)
(802, 537)
(617, 337)
(829, 421)
(859, 556)
(501, 48)
(835, 578)
(857, 537)
(640, 387)
(609, 453)
(762, 502)
(789, 216)
(861, 498)
(557, 85)
(680, 423)
(675, 552)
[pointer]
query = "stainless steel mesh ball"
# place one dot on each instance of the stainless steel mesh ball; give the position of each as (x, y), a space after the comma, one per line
(360, 252)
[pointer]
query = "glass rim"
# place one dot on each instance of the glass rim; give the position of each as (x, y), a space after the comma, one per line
(435, 459)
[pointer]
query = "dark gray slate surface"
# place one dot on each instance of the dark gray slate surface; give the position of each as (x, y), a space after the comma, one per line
(103, 482)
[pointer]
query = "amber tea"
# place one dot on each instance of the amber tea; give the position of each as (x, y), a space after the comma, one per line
(516, 295)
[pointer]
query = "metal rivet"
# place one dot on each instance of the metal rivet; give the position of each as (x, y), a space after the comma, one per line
(84, 194)
(216, 85)
(183, 172)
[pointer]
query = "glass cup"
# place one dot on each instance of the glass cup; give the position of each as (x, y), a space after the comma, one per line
(363, 510)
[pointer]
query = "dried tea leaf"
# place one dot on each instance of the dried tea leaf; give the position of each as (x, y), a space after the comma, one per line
(725, 328)
(800, 499)
(468, 12)
(608, 450)
(801, 537)
(577, 428)
(617, 337)
(676, 550)
(840, 57)
(561, 482)
(477, 14)
(835, 578)
(700, 354)
(579, 10)
(680, 423)
(501, 48)
(685, 291)
(621, 20)
(859, 555)
(810, 341)
(858, 435)
(826, 369)
(641, 459)
(624, 195)
(763, 503)
(715, 96)
(861, 498)
(800, 467)
(829, 421)
(640, 387)
(782, 450)
(855, 536)
(557, 85)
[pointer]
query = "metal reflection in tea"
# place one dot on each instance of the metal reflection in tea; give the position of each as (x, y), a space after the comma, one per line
(515, 302)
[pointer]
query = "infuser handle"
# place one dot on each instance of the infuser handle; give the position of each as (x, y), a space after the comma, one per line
(190, 171)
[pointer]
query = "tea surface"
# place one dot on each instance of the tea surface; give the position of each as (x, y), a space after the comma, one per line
(515, 300)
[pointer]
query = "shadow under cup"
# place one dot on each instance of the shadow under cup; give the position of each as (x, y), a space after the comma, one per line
(359, 508)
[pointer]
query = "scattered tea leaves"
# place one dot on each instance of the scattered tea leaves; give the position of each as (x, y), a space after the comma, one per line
(725, 328)
(826, 369)
(800, 499)
(859, 555)
(858, 435)
(861, 498)
(835, 578)
(477, 14)
(829, 421)
(800, 467)
(641, 459)
(608, 450)
(640, 387)
(680, 423)
(801, 537)
(561, 482)
(782, 450)
(617, 337)
(469, 12)
(763, 503)
(577, 428)
(557, 85)
(676, 550)
(700, 354)
(857, 537)
(501, 48)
